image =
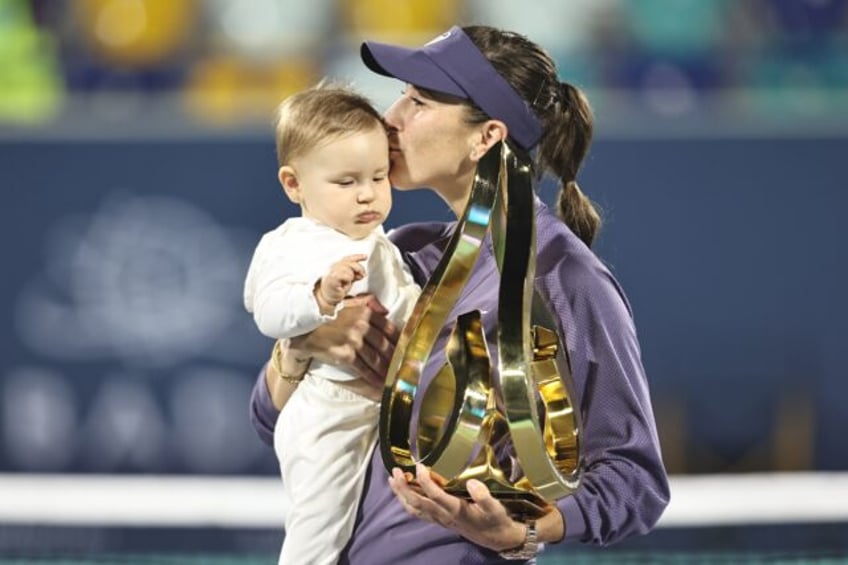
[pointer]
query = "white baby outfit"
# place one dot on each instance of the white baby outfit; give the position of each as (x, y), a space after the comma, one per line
(325, 434)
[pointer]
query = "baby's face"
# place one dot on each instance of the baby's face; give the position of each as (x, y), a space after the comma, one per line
(344, 184)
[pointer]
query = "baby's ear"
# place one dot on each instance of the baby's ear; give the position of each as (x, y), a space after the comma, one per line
(290, 184)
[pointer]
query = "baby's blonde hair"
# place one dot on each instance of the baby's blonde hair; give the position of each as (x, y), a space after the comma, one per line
(320, 114)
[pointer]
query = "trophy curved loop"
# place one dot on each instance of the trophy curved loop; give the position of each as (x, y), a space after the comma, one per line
(532, 363)
(462, 413)
(422, 329)
(448, 445)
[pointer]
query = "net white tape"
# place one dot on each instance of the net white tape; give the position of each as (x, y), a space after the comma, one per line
(242, 502)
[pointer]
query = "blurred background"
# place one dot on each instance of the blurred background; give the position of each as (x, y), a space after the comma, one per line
(137, 172)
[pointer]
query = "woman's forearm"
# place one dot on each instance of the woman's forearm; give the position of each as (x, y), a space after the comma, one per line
(279, 390)
(342, 342)
(263, 413)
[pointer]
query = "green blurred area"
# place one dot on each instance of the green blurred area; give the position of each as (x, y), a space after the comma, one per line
(31, 86)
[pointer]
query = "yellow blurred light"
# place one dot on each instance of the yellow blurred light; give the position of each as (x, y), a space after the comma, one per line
(226, 90)
(407, 21)
(136, 33)
(119, 24)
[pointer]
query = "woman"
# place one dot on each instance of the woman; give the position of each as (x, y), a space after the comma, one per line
(467, 90)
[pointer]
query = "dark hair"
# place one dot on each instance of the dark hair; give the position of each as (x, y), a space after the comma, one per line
(562, 108)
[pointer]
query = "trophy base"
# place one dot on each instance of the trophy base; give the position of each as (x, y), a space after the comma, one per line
(520, 504)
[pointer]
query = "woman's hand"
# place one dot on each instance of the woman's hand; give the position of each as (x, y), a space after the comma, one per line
(361, 337)
(483, 520)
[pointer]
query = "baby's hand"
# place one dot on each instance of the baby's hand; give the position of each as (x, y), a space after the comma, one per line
(335, 285)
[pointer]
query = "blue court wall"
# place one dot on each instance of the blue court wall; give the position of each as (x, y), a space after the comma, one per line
(124, 346)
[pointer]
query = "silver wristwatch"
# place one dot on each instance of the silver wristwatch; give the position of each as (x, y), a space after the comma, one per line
(527, 550)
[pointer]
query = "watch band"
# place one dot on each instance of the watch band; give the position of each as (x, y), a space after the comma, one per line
(528, 549)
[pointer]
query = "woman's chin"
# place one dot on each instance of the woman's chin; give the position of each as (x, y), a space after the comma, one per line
(401, 182)
(400, 179)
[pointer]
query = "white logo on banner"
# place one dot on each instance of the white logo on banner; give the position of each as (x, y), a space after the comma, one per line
(146, 287)
(151, 280)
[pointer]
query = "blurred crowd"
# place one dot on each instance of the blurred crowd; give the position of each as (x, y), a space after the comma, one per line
(222, 62)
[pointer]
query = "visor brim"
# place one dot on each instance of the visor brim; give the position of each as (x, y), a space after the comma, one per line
(408, 65)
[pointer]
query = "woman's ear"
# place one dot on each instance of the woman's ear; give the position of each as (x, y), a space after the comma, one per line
(290, 184)
(489, 133)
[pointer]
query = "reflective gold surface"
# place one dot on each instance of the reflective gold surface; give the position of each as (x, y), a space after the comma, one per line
(464, 416)
(422, 329)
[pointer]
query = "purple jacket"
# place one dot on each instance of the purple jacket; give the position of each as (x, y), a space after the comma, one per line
(624, 488)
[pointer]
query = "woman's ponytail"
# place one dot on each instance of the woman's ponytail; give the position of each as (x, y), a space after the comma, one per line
(566, 142)
(578, 212)
(563, 110)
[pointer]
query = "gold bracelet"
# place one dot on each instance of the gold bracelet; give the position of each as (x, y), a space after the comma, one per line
(276, 353)
(291, 379)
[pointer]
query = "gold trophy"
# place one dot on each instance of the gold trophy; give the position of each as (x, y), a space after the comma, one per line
(462, 423)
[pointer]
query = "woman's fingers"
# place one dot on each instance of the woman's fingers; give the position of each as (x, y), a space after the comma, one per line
(484, 500)
(482, 520)
(376, 354)
(446, 508)
(414, 503)
(404, 494)
(376, 338)
(361, 337)
(368, 300)
(434, 491)
(373, 372)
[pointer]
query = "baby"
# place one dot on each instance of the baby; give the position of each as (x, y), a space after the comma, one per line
(333, 154)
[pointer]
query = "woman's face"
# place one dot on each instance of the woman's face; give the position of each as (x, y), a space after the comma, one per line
(430, 144)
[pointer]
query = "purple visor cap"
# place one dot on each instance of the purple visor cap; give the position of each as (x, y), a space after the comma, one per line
(452, 64)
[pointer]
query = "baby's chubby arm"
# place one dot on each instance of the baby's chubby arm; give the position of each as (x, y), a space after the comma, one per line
(336, 284)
